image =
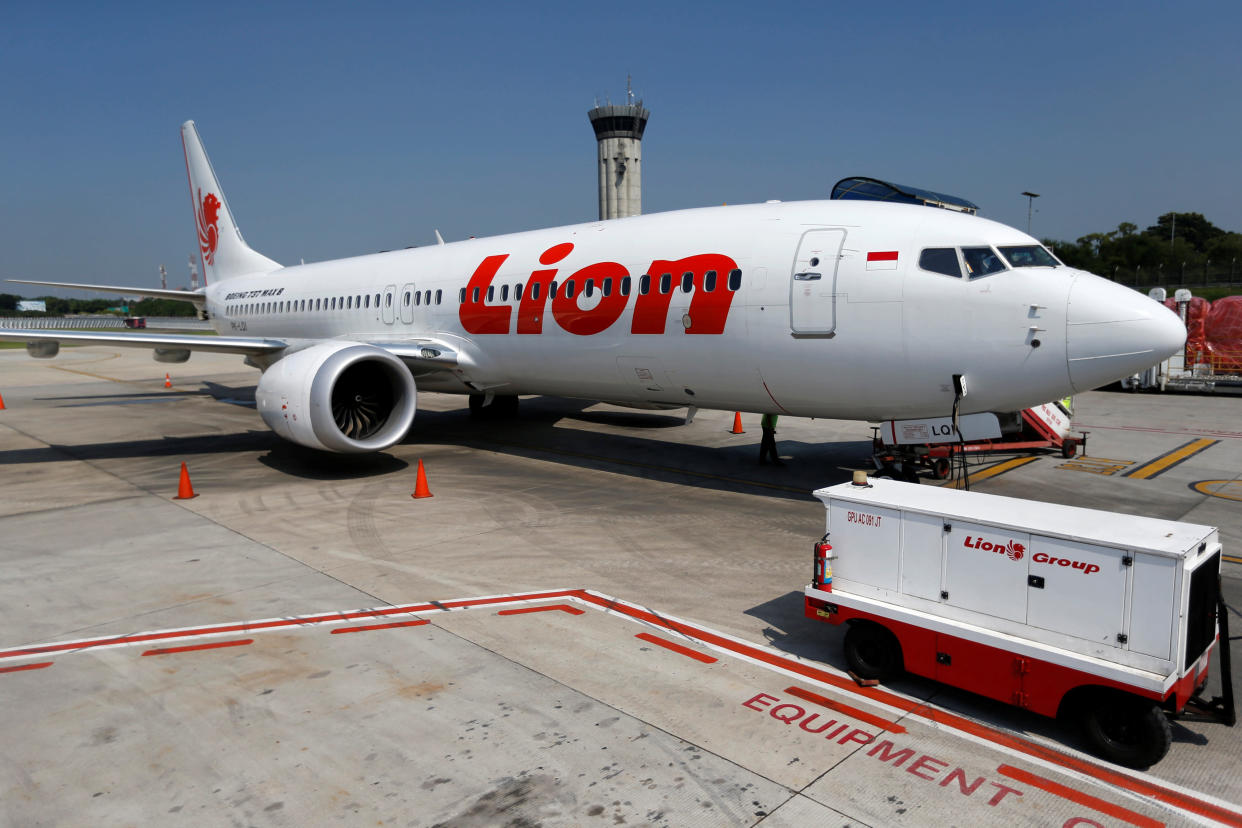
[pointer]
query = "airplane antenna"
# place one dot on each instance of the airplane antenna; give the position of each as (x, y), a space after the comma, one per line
(439, 238)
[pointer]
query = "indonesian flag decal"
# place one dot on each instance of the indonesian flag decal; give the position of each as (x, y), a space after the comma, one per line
(882, 260)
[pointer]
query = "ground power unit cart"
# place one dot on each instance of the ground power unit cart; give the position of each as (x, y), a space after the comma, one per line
(1106, 618)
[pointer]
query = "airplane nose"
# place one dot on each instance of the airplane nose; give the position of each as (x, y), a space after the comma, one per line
(1112, 332)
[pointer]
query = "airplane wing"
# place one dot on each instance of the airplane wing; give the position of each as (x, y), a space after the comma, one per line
(422, 352)
(146, 293)
(248, 346)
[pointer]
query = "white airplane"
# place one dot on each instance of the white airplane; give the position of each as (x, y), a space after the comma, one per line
(843, 309)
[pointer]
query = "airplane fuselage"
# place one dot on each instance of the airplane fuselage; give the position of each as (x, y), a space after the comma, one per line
(839, 308)
(813, 309)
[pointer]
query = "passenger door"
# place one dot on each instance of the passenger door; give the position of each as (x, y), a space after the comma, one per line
(813, 284)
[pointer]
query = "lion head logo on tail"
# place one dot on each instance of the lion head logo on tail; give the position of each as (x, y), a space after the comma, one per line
(207, 213)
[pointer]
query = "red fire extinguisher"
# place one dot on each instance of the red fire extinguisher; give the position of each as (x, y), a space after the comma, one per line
(822, 578)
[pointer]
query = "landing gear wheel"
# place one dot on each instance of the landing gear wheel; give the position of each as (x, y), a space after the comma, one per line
(1069, 447)
(1126, 729)
(872, 652)
(940, 468)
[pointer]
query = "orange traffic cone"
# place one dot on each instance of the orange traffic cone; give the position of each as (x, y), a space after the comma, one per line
(1, 402)
(167, 381)
(737, 423)
(420, 484)
(184, 490)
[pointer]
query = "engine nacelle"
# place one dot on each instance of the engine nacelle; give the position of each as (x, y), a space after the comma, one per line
(339, 396)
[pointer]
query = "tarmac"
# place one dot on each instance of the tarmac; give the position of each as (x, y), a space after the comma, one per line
(595, 620)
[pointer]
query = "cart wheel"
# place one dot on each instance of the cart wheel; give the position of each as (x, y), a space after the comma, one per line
(887, 473)
(1126, 729)
(940, 468)
(872, 652)
(1069, 447)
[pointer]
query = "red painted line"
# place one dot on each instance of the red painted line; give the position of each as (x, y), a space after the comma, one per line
(251, 626)
(1143, 787)
(852, 712)
(21, 667)
(417, 623)
(677, 648)
(215, 645)
(548, 608)
(1104, 807)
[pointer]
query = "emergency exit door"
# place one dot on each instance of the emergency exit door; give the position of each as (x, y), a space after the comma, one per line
(813, 283)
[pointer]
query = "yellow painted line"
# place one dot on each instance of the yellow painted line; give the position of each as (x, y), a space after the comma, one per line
(993, 471)
(1095, 465)
(1231, 559)
(1228, 489)
(89, 373)
(1170, 459)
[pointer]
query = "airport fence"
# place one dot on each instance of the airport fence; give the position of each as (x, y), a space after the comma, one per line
(1145, 278)
(73, 323)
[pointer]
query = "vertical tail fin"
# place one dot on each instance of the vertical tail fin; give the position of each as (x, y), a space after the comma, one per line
(225, 253)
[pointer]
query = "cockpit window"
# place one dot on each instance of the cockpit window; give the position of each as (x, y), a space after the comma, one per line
(1029, 255)
(941, 260)
(980, 261)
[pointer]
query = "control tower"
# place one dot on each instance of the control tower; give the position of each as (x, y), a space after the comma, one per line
(619, 134)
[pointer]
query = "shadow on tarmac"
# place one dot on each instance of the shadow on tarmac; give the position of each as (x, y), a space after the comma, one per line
(538, 432)
(613, 441)
(297, 461)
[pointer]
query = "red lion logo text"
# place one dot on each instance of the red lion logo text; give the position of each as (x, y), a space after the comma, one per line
(207, 213)
(1012, 550)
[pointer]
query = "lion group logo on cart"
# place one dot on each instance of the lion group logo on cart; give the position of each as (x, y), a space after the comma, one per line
(1012, 550)
(207, 214)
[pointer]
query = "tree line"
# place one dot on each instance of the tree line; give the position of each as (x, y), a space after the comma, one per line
(1179, 249)
(59, 306)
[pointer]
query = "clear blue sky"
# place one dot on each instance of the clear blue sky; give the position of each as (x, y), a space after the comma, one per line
(346, 130)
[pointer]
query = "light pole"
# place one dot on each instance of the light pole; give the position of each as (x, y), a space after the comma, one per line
(1030, 206)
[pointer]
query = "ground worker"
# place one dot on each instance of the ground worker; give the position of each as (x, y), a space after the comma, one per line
(767, 446)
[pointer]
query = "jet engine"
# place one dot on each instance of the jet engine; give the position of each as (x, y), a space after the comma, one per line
(339, 396)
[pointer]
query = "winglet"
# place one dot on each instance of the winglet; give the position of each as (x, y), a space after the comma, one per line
(225, 253)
